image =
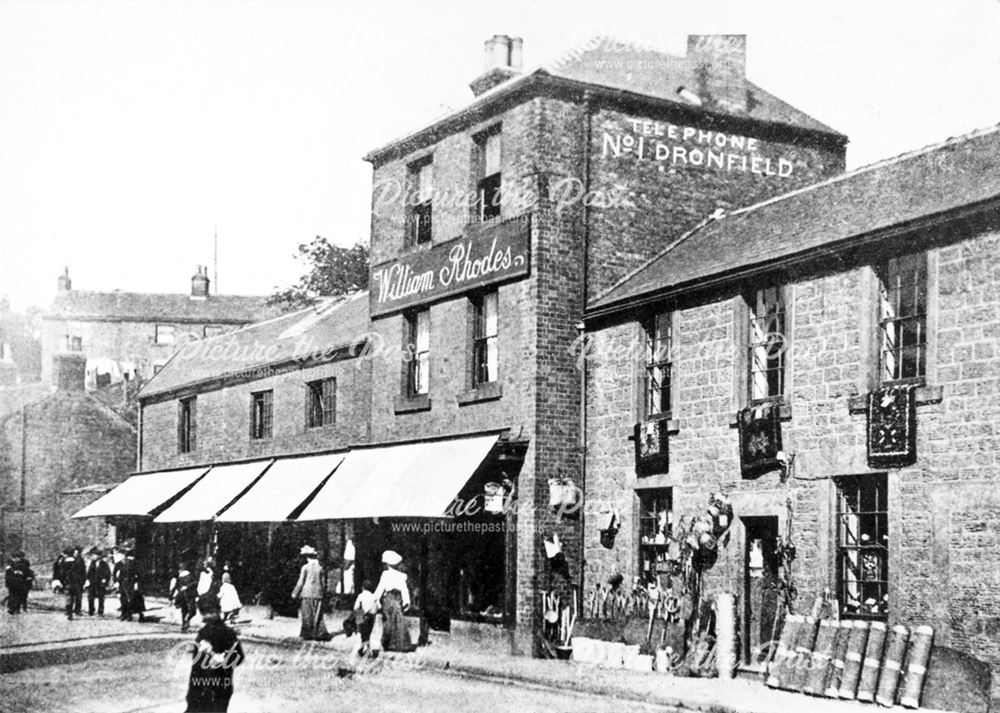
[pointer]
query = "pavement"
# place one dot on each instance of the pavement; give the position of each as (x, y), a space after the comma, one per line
(43, 637)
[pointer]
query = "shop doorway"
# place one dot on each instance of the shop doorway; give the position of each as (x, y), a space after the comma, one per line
(760, 590)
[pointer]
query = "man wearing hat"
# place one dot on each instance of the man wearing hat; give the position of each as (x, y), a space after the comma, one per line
(217, 653)
(72, 573)
(98, 578)
(18, 577)
(129, 590)
(310, 589)
(393, 593)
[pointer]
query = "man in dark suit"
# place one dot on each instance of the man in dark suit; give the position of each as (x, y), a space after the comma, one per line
(129, 589)
(98, 578)
(18, 578)
(73, 574)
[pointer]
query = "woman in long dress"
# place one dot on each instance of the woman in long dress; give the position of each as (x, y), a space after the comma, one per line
(310, 589)
(394, 595)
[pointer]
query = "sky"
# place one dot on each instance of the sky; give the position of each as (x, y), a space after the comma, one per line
(132, 132)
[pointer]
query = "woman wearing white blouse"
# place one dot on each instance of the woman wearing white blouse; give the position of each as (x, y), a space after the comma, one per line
(394, 595)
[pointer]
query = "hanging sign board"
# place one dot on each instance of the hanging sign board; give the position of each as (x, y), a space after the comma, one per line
(486, 255)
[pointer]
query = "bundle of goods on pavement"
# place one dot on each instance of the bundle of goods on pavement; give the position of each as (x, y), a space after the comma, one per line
(664, 623)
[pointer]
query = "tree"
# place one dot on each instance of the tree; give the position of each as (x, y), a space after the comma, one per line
(331, 271)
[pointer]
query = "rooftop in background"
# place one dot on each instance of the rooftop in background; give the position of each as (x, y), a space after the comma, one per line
(308, 336)
(955, 174)
(710, 79)
(197, 307)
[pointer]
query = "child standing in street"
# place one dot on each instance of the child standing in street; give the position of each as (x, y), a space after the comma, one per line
(229, 600)
(365, 607)
(218, 653)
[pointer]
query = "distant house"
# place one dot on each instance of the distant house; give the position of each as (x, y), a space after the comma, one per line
(125, 335)
(59, 445)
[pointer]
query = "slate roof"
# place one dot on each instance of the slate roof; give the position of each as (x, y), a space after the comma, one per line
(303, 335)
(951, 175)
(158, 307)
(612, 64)
(607, 62)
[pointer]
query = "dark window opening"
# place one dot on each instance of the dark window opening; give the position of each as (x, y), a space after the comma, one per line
(261, 413)
(322, 402)
(903, 319)
(485, 357)
(655, 524)
(186, 425)
(488, 180)
(863, 546)
(767, 346)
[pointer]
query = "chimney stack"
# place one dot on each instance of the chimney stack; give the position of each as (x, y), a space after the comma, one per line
(65, 284)
(199, 284)
(70, 370)
(502, 59)
(719, 65)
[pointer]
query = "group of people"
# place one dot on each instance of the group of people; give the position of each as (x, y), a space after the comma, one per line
(18, 578)
(391, 596)
(188, 586)
(72, 575)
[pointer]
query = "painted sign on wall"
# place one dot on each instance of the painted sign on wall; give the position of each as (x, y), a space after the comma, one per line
(486, 255)
(646, 140)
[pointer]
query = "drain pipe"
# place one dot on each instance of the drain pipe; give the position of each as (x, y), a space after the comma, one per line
(588, 111)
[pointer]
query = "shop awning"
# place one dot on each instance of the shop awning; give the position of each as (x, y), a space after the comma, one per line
(408, 480)
(143, 493)
(284, 487)
(214, 492)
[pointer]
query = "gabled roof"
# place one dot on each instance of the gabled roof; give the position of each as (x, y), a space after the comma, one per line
(955, 174)
(308, 336)
(610, 65)
(154, 307)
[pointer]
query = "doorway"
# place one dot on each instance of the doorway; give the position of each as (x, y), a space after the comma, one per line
(760, 590)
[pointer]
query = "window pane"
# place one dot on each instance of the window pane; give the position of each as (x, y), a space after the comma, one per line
(490, 315)
(766, 358)
(491, 359)
(425, 182)
(491, 154)
(903, 317)
(423, 336)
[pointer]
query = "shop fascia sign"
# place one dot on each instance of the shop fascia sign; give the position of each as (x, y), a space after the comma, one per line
(689, 146)
(484, 256)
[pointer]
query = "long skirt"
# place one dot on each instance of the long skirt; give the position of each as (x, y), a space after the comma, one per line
(311, 619)
(395, 632)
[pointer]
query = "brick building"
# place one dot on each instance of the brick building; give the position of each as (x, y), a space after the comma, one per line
(54, 441)
(586, 168)
(128, 335)
(798, 308)
(491, 227)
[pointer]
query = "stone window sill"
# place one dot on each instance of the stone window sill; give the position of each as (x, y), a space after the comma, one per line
(412, 404)
(484, 392)
(925, 395)
(673, 425)
(784, 414)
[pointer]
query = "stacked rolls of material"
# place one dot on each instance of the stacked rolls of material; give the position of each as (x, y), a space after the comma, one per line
(856, 645)
(784, 657)
(836, 672)
(892, 663)
(803, 651)
(822, 655)
(872, 662)
(725, 630)
(916, 669)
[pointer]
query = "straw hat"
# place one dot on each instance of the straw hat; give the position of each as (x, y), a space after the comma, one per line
(391, 558)
(307, 550)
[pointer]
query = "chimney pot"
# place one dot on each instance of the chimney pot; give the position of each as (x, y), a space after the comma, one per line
(502, 59)
(720, 65)
(70, 369)
(199, 283)
(516, 52)
(65, 284)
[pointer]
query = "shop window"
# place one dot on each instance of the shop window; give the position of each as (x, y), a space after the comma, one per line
(863, 546)
(417, 354)
(186, 425)
(485, 357)
(419, 217)
(488, 175)
(261, 414)
(767, 345)
(321, 402)
(903, 319)
(658, 364)
(164, 334)
(72, 344)
(655, 522)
